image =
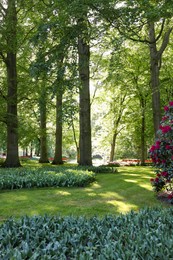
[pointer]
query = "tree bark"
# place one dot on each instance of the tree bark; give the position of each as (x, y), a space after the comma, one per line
(112, 153)
(155, 65)
(85, 121)
(12, 159)
(43, 130)
(154, 70)
(58, 136)
(143, 143)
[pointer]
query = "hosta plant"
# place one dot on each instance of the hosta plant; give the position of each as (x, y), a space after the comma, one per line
(147, 234)
(162, 154)
(44, 177)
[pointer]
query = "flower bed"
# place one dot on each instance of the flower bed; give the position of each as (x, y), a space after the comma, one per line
(162, 155)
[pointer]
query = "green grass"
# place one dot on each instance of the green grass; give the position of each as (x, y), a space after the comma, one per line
(127, 190)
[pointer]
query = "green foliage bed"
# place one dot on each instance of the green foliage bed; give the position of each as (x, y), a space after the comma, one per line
(147, 234)
(44, 177)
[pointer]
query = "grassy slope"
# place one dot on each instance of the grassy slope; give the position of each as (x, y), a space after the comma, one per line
(127, 190)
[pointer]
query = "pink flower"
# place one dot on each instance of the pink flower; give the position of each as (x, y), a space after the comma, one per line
(156, 180)
(153, 148)
(164, 118)
(158, 142)
(168, 147)
(164, 174)
(157, 146)
(166, 129)
(166, 108)
(170, 196)
(171, 103)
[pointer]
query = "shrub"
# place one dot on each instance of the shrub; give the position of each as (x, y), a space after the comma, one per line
(147, 234)
(44, 177)
(162, 152)
(113, 164)
(99, 169)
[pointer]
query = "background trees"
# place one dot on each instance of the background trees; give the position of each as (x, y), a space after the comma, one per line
(111, 63)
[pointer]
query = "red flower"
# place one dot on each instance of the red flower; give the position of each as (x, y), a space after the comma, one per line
(164, 118)
(166, 108)
(171, 103)
(170, 196)
(153, 148)
(156, 180)
(151, 179)
(168, 147)
(164, 174)
(166, 129)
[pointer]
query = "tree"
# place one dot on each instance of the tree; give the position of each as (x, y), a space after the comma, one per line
(155, 66)
(85, 124)
(146, 22)
(43, 121)
(8, 51)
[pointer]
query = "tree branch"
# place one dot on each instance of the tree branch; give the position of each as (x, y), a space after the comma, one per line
(2, 95)
(161, 30)
(3, 57)
(164, 43)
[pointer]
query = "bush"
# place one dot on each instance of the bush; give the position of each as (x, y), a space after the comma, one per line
(44, 177)
(147, 234)
(113, 164)
(162, 152)
(99, 169)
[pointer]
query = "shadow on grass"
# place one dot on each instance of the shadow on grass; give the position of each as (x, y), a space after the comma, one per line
(129, 189)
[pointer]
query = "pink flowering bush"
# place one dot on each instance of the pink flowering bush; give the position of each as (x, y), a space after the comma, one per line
(162, 154)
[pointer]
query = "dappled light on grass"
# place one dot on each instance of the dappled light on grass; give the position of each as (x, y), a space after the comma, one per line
(146, 186)
(122, 206)
(63, 193)
(95, 185)
(135, 181)
(109, 194)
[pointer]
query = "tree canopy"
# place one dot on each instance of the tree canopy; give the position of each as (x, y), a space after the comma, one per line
(83, 78)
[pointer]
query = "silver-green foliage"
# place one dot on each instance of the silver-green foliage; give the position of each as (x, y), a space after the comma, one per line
(147, 234)
(44, 177)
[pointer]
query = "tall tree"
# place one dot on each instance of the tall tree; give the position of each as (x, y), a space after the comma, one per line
(43, 121)
(84, 74)
(148, 22)
(8, 52)
(155, 66)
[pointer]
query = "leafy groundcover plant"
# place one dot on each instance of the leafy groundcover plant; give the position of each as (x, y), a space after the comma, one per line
(147, 234)
(45, 177)
(162, 155)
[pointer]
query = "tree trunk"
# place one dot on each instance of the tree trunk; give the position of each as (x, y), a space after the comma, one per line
(143, 144)
(112, 153)
(155, 65)
(58, 142)
(43, 130)
(85, 124)
(154, 70)
(12, 159)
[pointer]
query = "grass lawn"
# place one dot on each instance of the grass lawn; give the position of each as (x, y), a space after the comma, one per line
(129, 189)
